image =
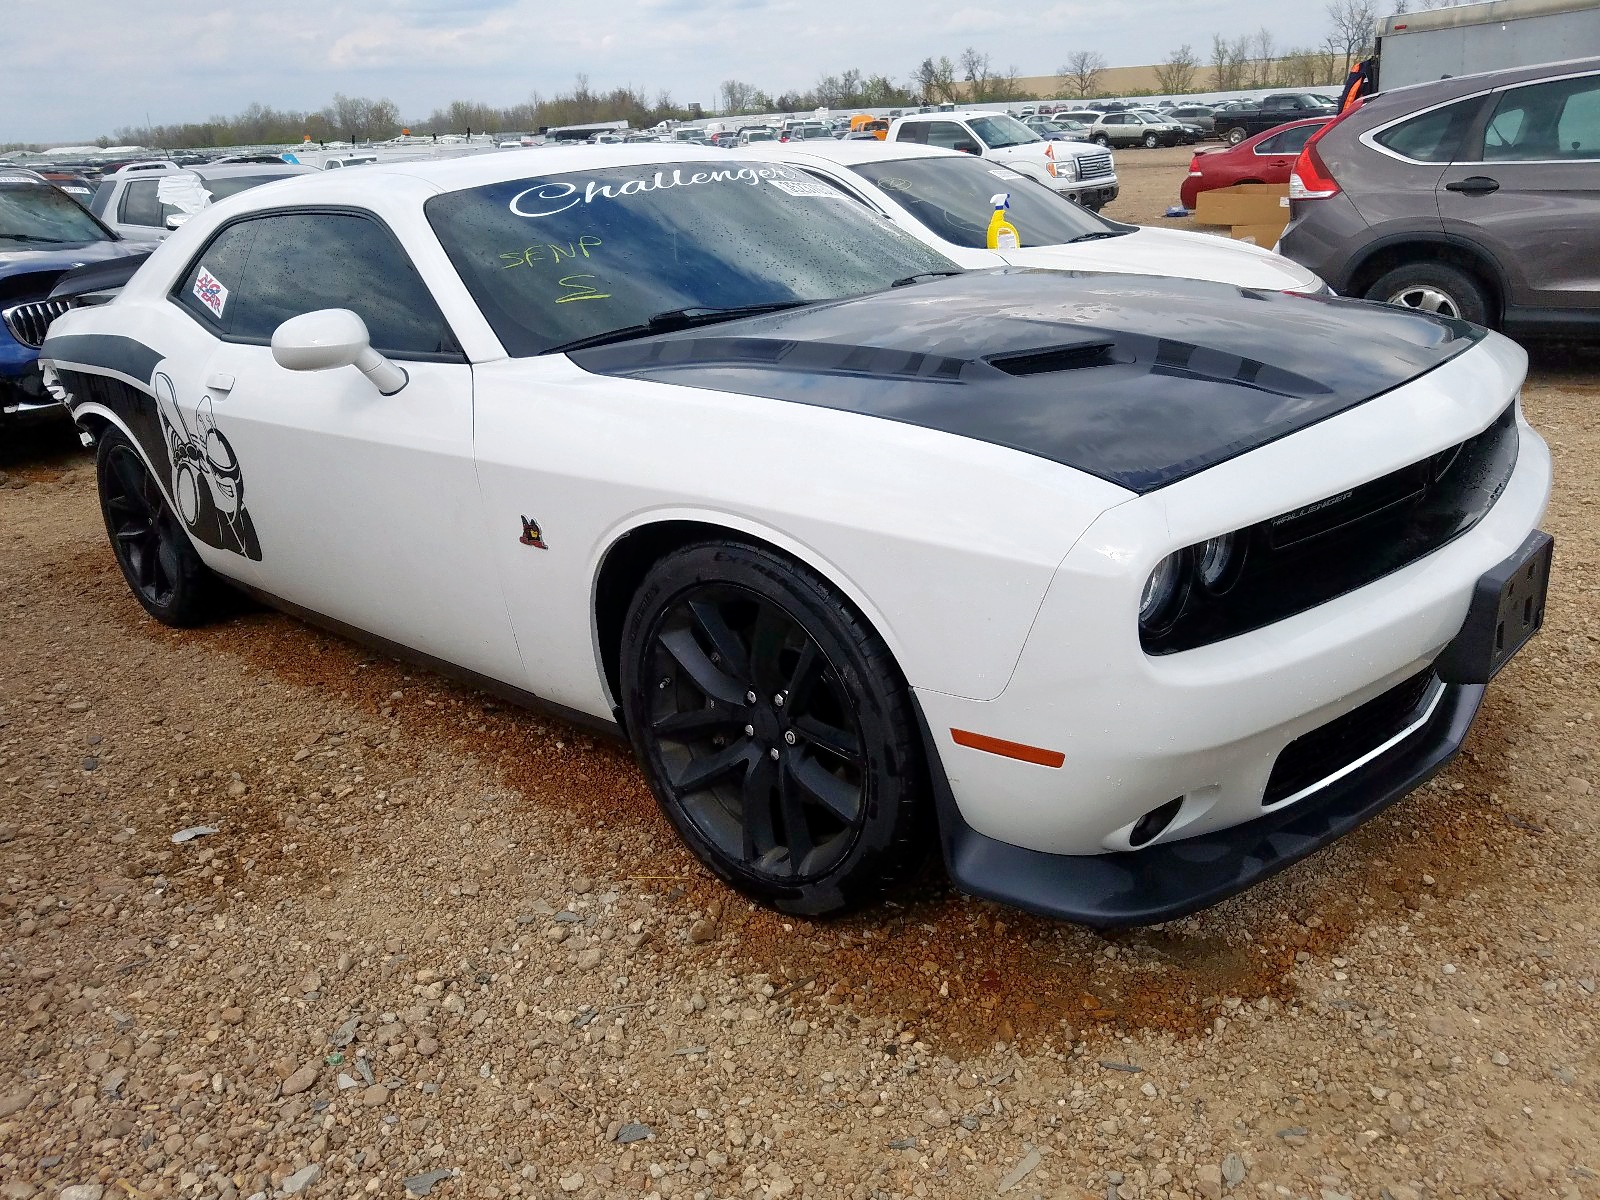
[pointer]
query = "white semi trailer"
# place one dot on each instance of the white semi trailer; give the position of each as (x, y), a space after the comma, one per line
(1419, 46)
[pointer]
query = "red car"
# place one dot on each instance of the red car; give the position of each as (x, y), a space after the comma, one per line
(1266, 158)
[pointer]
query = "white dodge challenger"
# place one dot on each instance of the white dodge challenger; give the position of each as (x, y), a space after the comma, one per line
(1130, 590)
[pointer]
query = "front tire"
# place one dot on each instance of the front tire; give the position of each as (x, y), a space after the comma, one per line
(157, 559)
(1434, 287)
(774, 729)
(1151, 141)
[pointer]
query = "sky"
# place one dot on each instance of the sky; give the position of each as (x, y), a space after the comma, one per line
(75, 69)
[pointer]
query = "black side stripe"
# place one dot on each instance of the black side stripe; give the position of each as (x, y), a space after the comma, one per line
(109, 352)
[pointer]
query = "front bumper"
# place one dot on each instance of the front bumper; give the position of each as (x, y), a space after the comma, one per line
(1206, 727)
(24, 401)
(1172, 880)
(1091, 193)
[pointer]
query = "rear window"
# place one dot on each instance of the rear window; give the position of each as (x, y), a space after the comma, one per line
(951, 196)
(1433, 137)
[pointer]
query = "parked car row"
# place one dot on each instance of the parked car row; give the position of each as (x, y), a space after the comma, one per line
(1124, 589)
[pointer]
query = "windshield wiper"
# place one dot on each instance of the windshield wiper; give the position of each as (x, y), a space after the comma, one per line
(674, 319)
(1097, 235)
(33, 237)
(920, 276)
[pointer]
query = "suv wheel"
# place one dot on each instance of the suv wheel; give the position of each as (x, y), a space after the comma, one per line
(1434, 287)
(1151, 141)
(1101, 139)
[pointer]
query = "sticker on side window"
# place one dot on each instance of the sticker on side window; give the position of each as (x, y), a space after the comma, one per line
(1003, 173)
(209, 291)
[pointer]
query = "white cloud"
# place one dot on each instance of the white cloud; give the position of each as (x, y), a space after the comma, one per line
(180, 60)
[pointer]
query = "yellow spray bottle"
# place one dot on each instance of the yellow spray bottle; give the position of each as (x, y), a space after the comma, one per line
(1002, 233)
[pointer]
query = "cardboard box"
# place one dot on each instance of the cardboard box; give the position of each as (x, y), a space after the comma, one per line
(1244, 204)
(1266, 236)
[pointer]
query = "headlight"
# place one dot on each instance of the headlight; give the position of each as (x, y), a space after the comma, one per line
(1216, 561)
(1163, 593)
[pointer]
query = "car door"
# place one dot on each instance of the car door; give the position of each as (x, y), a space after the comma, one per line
(310, 485)
(1529, 191)
(138, 213)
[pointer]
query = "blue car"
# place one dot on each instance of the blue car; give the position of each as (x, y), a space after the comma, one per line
(44, 233)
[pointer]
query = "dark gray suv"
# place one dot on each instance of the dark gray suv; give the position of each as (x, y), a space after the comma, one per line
(1476, 197)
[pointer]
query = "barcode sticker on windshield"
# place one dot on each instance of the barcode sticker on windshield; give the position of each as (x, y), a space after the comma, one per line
(797, 187)
(1002, 173)
(209, 291)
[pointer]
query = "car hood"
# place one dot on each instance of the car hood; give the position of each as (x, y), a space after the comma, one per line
(1139, 381)
(1174, 252)
(24, 260)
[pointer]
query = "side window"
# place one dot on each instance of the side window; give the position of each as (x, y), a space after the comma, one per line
(1290, 141)
(1556, 120)
(1433, 137)
(301, 262)
(948, 135)
(223, 263)
(1578, 130)
(139, 204)
(913, 131)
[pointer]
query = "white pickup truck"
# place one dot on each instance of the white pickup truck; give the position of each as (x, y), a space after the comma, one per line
(1081, 172)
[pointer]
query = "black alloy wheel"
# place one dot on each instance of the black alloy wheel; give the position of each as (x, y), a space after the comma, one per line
(775, 732)
(154, 552)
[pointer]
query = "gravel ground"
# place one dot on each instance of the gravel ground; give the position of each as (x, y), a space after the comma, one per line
(439, 947)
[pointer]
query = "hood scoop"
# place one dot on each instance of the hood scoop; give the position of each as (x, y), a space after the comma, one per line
(1073, 356)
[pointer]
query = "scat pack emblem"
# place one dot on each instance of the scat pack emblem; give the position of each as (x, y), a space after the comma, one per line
(531, 534)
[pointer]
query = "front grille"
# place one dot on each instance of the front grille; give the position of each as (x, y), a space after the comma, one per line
(1299, 559)
(1313, 757)
(1093, 166)
(29, 322)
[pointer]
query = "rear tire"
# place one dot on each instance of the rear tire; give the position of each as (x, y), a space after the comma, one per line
(165, 574)
(774, 729)
(1102, 140)
(1235, 136)
(1434, 287)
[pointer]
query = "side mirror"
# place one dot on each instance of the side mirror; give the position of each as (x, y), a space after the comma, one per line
(967, 147)
(330, 338)
(176, 220)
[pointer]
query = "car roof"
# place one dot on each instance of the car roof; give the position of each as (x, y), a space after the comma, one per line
(232, 170)
(498, 166)
(966, 114)
(847, 153)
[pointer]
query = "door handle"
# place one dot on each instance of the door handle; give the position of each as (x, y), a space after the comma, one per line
(1473, 185)
(220, 383)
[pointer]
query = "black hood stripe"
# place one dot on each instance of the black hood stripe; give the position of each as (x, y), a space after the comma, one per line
(132, 360)
(1139, 381)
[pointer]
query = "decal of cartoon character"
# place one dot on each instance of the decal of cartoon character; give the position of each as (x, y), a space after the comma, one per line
(207, 482)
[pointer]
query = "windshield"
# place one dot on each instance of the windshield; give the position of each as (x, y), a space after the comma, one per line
(35, 214)
(554, 259)
(951, 196)
(1000, 131)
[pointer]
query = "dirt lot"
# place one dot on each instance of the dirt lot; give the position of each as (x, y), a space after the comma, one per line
(440, 947)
